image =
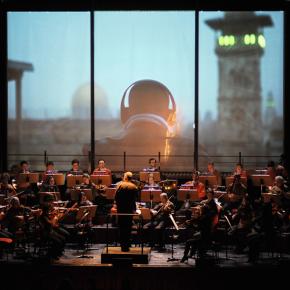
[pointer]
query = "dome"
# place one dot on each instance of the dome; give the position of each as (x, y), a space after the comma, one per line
(82, 99)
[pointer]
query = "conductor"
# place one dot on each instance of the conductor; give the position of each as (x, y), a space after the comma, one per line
(125, 198)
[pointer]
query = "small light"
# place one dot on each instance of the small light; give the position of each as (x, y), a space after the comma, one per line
(232, 40)
(247, 39)
(227, 40)
(262, 41)
(221, 41)
(253, 38)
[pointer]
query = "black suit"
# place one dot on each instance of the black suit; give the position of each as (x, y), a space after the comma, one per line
(125, 197)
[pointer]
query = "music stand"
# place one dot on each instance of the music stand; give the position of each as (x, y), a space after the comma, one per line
(230, 179)
(261, 179)
(209, 180)
(104, 179)
(173, 237)
(73, 180)
(85, 214)
(28, 178)
(150, 195)
(144, 176)
(58, 177)
(190, 194)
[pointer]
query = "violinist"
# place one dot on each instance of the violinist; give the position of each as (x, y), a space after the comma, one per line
(160, 218)
(203, 227)
(199, 186)
(50, 228)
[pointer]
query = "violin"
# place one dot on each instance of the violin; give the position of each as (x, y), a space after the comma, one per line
(55, 217)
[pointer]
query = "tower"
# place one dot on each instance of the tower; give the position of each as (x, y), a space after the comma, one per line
(239, 47)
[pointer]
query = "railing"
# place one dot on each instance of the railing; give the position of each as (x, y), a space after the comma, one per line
(135, 162)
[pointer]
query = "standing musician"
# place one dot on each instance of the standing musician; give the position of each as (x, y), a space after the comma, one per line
(160, 218)
(51, 230)
(199, 186)
(101, 169)
(204, 222)
(125, 198)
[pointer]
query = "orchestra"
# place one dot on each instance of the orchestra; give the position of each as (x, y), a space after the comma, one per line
(196, 207)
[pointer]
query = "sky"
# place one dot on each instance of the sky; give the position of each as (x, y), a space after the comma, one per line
(129, 46)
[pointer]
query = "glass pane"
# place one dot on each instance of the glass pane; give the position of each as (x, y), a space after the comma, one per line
(48, 77)
(241, 88)
(144, 74)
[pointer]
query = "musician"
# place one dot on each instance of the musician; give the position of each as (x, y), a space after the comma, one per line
(24, 167)
(235, 193)
(151, 182)
(204, 227)
(50, 229)
(280, 189)
(50, 168)
(239, 170)
(211, 171)
(75, 170)
(101, 169)
(83, 201)
(152, 166)
(125, 198)
(6, 188)
(160, 218)
(49, 185)
(271, 170)
(199, 186)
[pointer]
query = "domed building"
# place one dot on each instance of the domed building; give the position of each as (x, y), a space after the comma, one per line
(82, 100)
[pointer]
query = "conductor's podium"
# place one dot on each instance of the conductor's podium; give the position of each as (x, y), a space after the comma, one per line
(136, 255)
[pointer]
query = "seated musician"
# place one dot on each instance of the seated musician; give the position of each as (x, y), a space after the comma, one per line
(211, 171)
(235, 193)
(281, 190)
(204, 222)
(152, 166)
(50, 168)
(6, 188)
(160, 218)
(239, 170)
(75, 170)
(51, 230)
(15, 217)
(199, 186)
(151, 182)
(24, 167)
(101, 169)
(49, 185)
(83, 201)
(282, 171)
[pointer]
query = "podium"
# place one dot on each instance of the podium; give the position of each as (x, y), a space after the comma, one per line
(230, 179)
(58, 177)
(144, 176)
(190, 194)
(105, 179)
(73, 180)
(209, 180)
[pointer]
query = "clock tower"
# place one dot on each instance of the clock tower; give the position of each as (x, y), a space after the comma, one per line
(240, 45)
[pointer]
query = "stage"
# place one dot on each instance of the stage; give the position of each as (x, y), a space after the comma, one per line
(219, 270)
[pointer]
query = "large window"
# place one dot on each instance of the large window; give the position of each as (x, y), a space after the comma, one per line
(48, 76)
(241, 87)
